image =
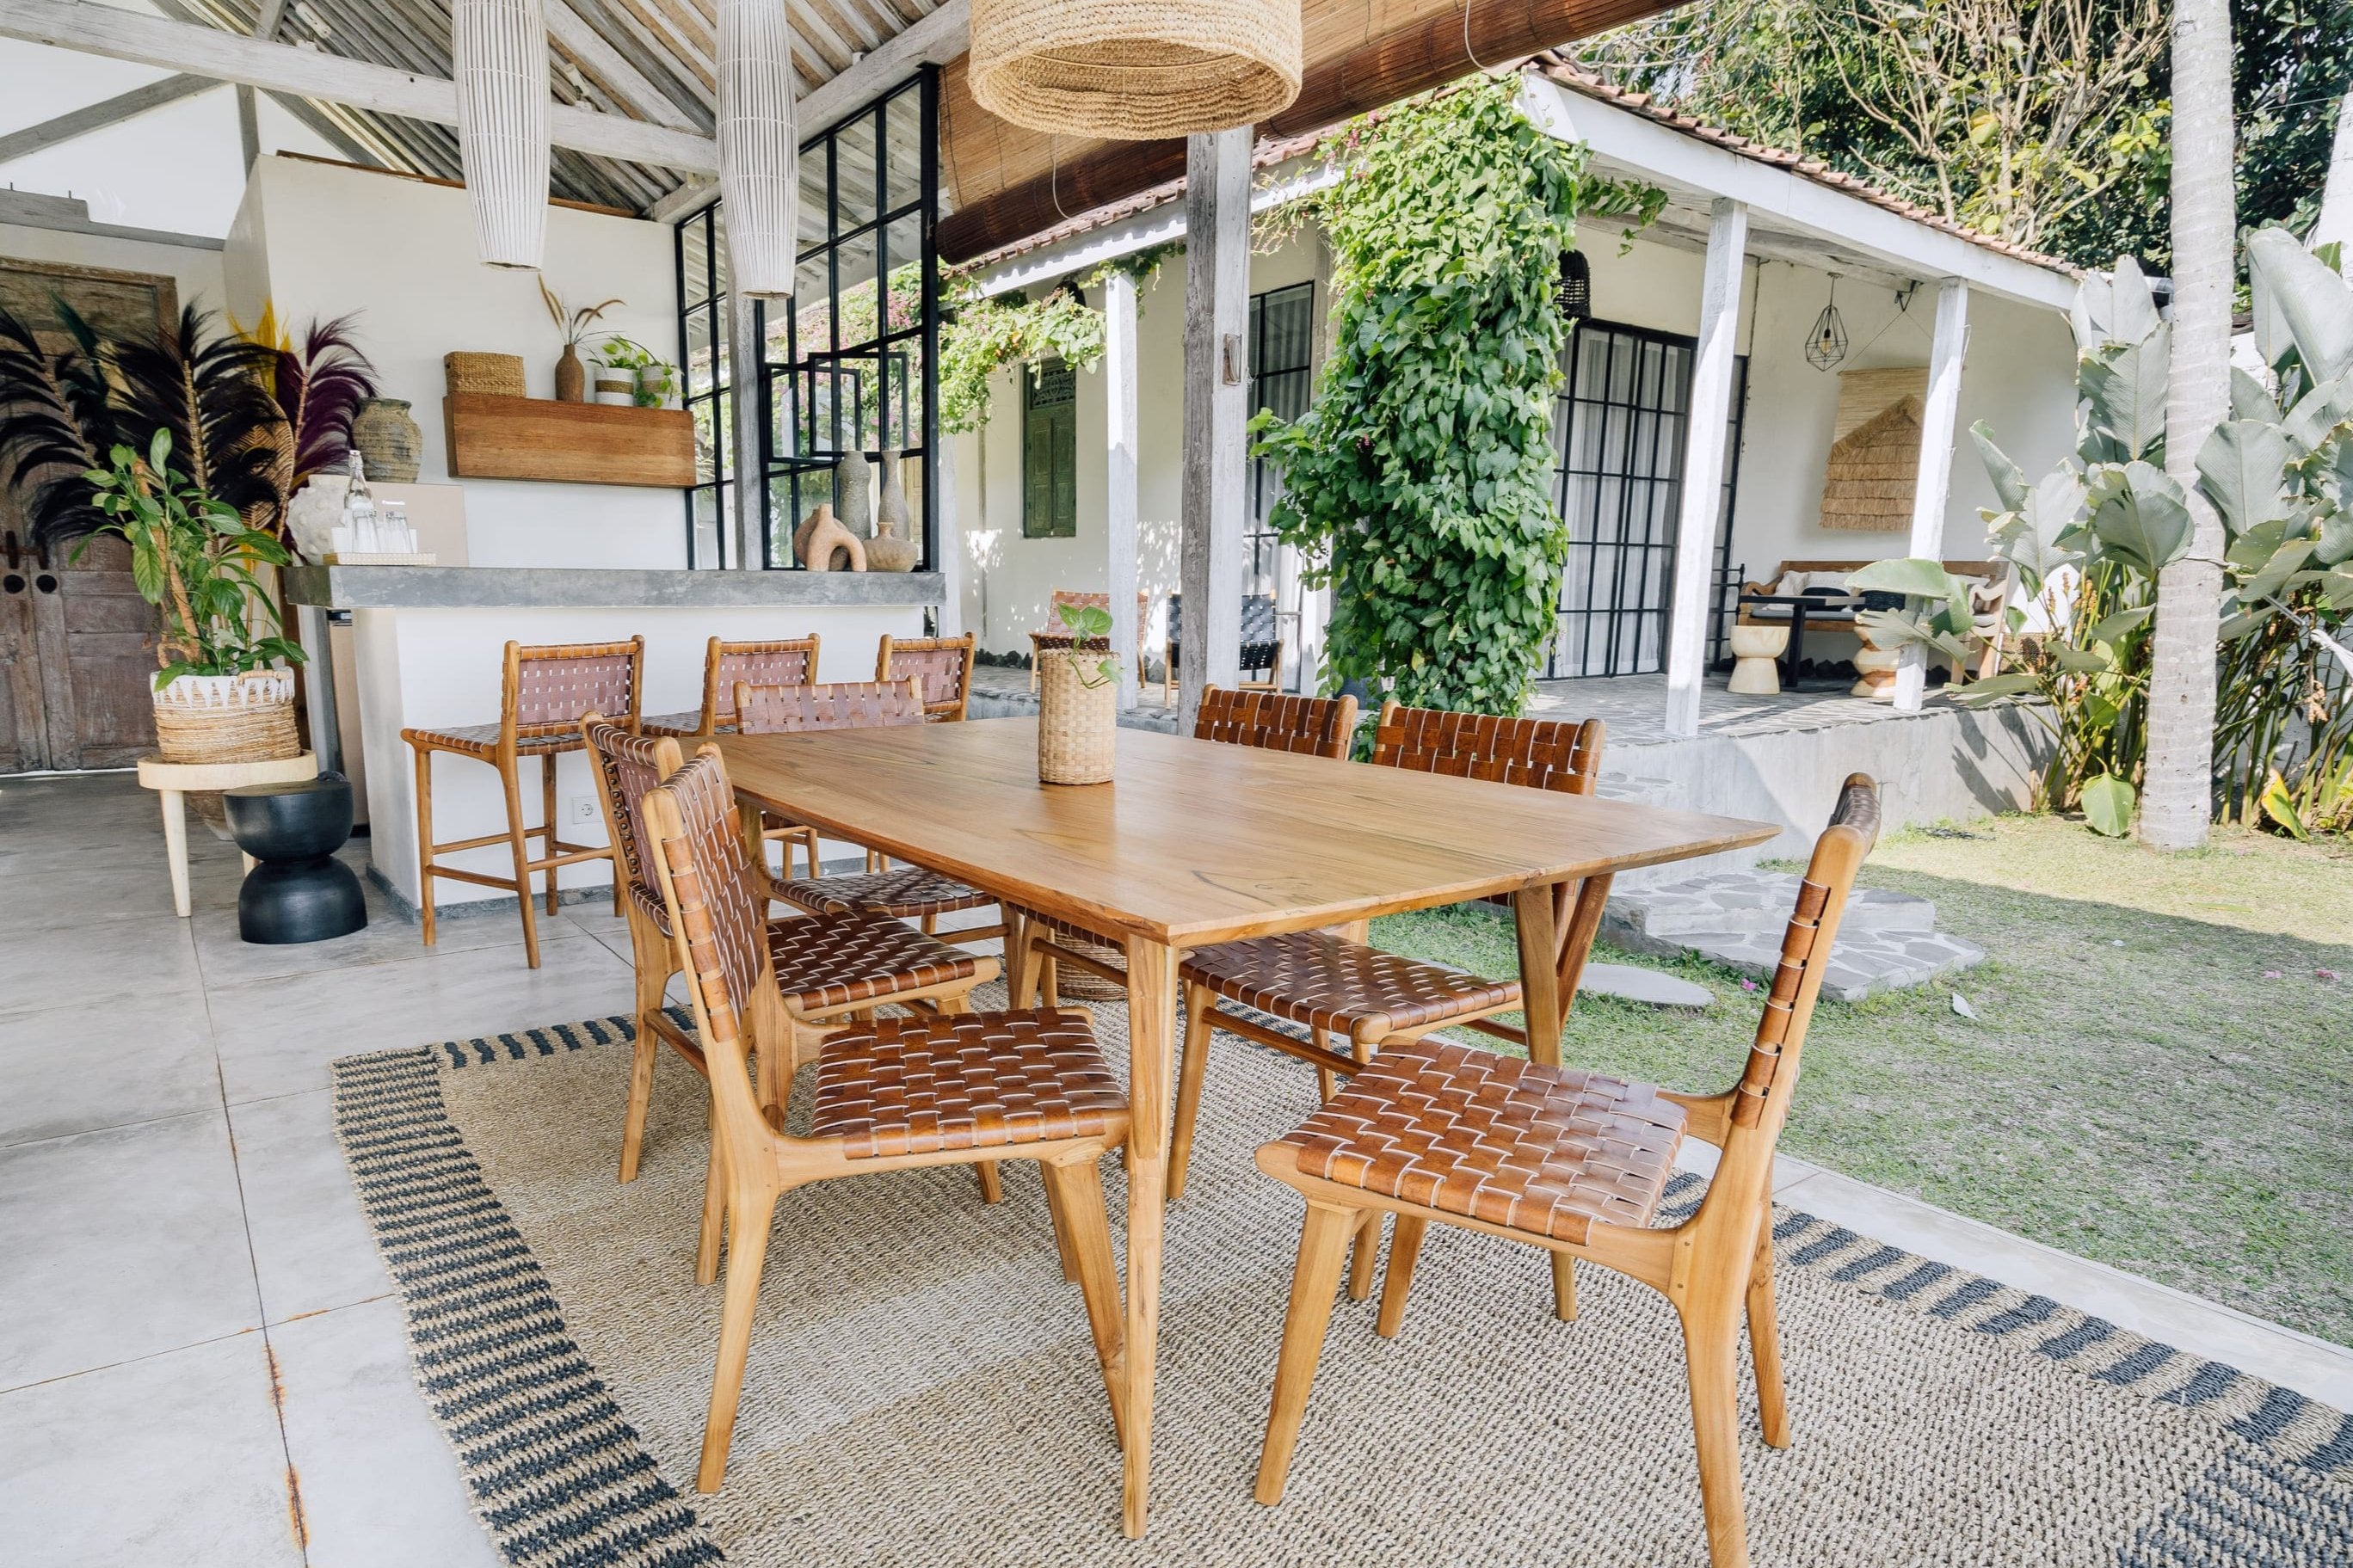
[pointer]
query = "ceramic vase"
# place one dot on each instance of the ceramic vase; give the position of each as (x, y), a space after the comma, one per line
(822, 544)
(388, 440)
(316, 510)
(853, 494)
(571, 377)
(894, 546)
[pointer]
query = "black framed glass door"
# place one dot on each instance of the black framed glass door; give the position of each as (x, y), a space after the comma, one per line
(1619, 425)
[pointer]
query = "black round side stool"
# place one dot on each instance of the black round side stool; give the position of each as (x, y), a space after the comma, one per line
(297, 891)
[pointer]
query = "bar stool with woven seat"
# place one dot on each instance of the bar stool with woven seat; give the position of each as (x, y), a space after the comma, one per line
(900, 1093)
(1325, 983)
(942, 664)
(783, 661)
(544, 694)
(825, 965)
(1270, 721)
(1576, 1162)
(905, 892)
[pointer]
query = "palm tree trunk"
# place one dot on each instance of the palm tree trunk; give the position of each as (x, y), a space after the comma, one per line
(2178, 794)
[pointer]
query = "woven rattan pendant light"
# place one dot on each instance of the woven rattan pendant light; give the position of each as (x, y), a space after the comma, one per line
(1134, 71)
(500, 51)
(759, 148)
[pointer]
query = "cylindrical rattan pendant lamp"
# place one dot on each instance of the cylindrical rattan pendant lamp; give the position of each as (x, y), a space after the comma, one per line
(1134, 71)
(759, 148)
(500, 51)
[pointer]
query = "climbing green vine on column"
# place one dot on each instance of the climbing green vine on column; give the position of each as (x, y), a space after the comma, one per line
(1424, 466)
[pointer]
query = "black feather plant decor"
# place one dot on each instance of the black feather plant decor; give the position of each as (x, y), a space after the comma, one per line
(249, 419)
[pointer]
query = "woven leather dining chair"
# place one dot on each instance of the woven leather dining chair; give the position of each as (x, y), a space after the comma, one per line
(1576, 1162)
(1333, 983)
(942, 664)
(544, 693)
(895, 1094)
(1270, 721)
(904, 892)
(1261, 646)
(783, 661)
(824, 966)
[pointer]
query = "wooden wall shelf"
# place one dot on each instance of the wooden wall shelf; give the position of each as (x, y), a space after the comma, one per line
(568, 443)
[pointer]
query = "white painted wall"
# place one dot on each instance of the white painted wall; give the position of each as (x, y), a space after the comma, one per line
(323, 240)
(179, 168)
(2019, 377)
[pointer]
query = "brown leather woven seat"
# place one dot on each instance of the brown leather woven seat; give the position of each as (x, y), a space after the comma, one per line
(1474, 1132)
(904, 892)
(1326, 982)
(971, 1081)
(482, 741)
(825, 961)
(678, 726)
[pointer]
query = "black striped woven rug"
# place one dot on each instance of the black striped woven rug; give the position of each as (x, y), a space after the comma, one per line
(920, 1387)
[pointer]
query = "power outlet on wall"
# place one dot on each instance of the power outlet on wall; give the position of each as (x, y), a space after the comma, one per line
(580, 810)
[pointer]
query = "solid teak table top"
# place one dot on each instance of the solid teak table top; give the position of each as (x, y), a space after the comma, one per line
(1194, 842)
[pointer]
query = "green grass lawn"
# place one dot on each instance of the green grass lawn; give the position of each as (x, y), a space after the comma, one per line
(2159, 1074)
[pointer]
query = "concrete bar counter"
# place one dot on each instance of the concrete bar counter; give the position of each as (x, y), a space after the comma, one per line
(428, 643)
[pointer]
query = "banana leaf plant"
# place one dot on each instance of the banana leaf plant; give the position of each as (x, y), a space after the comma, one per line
(2087, 540)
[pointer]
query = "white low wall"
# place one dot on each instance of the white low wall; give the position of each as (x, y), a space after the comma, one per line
(441, 668)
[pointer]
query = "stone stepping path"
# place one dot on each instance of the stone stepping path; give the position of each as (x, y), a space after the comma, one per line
(1887, 940)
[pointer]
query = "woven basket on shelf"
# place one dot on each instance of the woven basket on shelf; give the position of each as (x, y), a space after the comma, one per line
(227, 718)
(1076, 723)
(496, 376)
(1134, 71)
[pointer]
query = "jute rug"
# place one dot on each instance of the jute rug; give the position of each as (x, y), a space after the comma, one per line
(922, 1389)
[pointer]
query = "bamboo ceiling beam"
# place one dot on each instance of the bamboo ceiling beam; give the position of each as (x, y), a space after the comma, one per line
(280, 67)
(1397, 65)
(98, 116)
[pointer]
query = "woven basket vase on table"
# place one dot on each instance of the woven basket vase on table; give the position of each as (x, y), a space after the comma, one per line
(244, 718)
(1077, 723)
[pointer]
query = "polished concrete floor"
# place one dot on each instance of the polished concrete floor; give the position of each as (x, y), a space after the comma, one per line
(201, 1362)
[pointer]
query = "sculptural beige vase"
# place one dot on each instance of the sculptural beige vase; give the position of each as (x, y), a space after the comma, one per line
(824, 545)
(1877, 668)
(892, 548)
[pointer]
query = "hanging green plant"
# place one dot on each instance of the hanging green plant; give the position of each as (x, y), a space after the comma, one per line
(1422, 473)
(985, 335)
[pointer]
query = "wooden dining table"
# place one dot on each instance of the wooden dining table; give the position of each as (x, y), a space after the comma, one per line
(1195, 842)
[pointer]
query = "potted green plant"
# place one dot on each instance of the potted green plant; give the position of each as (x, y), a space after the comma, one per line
(222, 693)
(644, 378)
(1078, 701)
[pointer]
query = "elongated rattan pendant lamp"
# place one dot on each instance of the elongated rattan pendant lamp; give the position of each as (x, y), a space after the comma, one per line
(1134, 71)
(500, 51)
(759, 146)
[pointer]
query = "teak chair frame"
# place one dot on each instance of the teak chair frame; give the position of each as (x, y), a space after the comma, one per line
(756, 1161)
(1715, 1267)
(656, 963)
(717, 715)
(951, 708)
(505, 755)
(1318, 726)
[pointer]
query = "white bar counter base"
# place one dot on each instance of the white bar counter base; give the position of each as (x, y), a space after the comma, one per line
(429, 642)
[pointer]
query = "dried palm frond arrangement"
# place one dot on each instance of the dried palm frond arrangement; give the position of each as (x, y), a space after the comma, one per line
(573, 324)
(249, 420)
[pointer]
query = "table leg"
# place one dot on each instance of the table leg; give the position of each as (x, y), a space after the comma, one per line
(1151, 1006)
(175, 846)
(1795, 656)
(1542, 1003)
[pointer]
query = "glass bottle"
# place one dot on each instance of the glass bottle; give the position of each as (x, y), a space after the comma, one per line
(359, 510)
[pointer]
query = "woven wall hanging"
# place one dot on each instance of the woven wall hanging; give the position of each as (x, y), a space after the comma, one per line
(1134, 71)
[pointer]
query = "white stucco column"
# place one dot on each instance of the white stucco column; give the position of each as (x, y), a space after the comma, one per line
(1703, 461)
(1940, 412)
(1216, 487)
(950, 565)
(746, 364)
(1119, 472)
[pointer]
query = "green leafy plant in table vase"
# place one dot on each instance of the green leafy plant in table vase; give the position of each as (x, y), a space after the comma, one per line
(2087, 540)
(193, 557)
(1089, 624)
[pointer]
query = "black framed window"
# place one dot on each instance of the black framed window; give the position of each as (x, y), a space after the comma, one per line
(851, 357)
(1282, 350)
(1050, 451)
(703, 352)
(1619, 425)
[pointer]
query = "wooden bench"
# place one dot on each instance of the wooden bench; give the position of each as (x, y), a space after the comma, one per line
(1839, 619)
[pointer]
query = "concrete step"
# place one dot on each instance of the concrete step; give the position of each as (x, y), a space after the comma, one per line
(1863, 964)
(1755, 903)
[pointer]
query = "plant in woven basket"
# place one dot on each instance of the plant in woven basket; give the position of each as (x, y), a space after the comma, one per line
(193, 557)
(1422, 474)
(1089, 624)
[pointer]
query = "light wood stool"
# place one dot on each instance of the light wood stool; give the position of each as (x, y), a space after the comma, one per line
(173, 782)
